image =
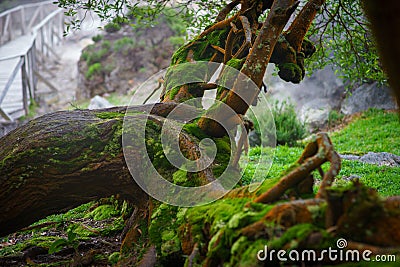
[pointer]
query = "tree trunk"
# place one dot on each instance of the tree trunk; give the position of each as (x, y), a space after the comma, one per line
(67, 158)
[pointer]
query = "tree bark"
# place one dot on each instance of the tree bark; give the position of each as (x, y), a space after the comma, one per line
(57, 162)
(67, 158)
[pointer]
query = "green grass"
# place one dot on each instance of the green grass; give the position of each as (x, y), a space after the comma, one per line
(373, 131)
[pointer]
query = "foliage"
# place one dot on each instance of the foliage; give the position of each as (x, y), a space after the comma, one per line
(112, 27)
(97, 38)
(289, 128)
(124, 44)
(345, 41)
(71, 241)
(92, 55)
(145, 11)
(94, 69)
(341, 30)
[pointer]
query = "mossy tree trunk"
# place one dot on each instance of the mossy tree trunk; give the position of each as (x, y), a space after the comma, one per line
(59, 161)
(67, 158)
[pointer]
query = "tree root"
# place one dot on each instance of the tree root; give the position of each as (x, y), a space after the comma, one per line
(315, 154)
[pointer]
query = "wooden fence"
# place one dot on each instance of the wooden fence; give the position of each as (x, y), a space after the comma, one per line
(31, 38)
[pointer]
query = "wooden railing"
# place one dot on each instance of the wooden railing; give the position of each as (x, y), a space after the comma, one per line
(20, 20)
(45, 30)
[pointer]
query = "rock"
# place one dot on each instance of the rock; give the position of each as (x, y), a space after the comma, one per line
(380, 158)
(315, 114)
(351, 177)
(368, 96)
(313, 98)
(98, 102)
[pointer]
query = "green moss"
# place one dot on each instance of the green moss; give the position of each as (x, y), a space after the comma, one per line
(165, 221)
(173, 92)
(110, 115)
(103, 212)
(236, 63)
(113, 148)
(293, 236)
(180, 177)
(114, 257)
(290, 72)
(193, 129)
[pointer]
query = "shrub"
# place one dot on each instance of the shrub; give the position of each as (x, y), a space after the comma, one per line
(123, 45)
(106, 44)
(96, 68)
(112, 27)
(288, 127)
(97, 38)
(96, 56)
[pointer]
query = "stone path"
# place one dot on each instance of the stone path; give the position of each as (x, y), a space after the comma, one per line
(377, 158)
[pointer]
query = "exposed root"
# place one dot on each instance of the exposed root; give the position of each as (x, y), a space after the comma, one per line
(315, 154)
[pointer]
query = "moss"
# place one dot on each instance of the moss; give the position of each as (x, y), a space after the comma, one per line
(308, 48)
(113, 148)
(165, 221)
(193, 129)
(193, 73)
(155, 150)
(293, 236)
(290, 72)
(173, 92)
(236, 63)
(110, 115)
(103, 212)
(114, 257)
(180, 177)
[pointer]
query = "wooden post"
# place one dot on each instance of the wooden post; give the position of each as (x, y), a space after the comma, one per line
(1, 29)
(23, 21)
(34, 68)
(30, 72)
(42, 41)
(6, 25)
(24, 83)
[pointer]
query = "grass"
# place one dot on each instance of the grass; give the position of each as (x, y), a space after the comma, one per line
(373, 131)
